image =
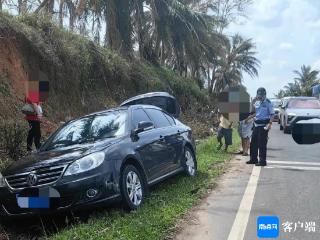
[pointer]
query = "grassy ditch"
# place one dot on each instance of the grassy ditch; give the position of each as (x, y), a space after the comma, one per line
(166, 204)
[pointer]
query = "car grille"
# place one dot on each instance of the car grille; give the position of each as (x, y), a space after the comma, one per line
(45, 175)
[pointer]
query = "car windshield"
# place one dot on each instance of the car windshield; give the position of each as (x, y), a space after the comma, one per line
(304, 104)
(275, 103)
(88, 129)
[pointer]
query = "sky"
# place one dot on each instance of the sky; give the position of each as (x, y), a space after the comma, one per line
(287, 35)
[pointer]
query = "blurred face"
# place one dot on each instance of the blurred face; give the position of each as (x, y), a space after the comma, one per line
(259, 97)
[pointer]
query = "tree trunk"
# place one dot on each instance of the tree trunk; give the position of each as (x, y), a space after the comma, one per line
(50, 7)
(124, 26)
(61, 13)
(22, 6)
(72, 13)
(106, 36)
(163, 54)
(140, 19)
(113, 34)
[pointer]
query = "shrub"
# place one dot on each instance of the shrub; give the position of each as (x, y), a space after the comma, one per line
(12, 139)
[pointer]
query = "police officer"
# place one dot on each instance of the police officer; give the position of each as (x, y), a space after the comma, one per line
(263, 117)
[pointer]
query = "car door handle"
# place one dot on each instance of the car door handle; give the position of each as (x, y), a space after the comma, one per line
(161, 138)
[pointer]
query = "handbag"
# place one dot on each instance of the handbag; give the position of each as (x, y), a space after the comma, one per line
(27, 109)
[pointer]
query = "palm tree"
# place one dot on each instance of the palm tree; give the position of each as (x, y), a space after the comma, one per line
(237, 56)
(306, 78)
(293, 89)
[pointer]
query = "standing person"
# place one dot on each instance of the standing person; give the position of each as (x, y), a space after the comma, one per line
(263, 117)
(34, 120)
(224, 131)
(245, 132)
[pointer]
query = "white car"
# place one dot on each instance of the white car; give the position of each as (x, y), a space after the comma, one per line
(299, 108)
(282, 107)
(276, 106)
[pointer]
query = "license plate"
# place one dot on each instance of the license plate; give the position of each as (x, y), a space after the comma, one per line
(38, 198)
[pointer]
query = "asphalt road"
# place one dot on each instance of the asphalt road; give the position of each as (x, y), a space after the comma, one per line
(289, 187)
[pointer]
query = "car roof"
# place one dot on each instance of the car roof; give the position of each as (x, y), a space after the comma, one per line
(121, 108)
(304, 98)
(147, 95)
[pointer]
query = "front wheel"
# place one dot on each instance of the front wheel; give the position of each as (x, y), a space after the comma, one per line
(190, 163)
(132, 187)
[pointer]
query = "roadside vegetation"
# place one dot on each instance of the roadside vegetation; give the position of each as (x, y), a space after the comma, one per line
(167, 203)
(185, 36)
(96, 54)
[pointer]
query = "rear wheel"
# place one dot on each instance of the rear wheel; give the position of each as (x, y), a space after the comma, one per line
(132, 187)
(190, 164)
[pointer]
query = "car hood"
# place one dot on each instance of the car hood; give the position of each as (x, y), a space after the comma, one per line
(304, 112)
(54, 157)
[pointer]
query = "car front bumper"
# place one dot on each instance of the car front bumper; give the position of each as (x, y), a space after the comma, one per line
(289, 125)
(73, 195)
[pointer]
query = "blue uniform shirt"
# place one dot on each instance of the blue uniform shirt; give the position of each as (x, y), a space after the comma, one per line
(264, 109)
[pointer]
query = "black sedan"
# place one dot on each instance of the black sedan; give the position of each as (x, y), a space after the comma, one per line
(114, 154)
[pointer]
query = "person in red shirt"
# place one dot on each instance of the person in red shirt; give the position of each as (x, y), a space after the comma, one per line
(34, 134)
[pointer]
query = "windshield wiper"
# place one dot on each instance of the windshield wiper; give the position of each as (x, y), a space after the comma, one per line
(70, 143)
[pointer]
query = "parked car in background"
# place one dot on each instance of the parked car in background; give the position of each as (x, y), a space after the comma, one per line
(282, 107)
(108, 155)
(308, 131)
(276, 105)
(297, 109)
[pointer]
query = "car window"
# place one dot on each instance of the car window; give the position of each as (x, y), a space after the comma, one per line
(139, 115)
(95, 127)
(108, 126)
(275, 103)
(158, 118)
(170, 119)
(304, 103)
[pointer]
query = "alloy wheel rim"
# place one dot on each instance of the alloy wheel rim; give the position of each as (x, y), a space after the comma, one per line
(190, 163)
(134, 189)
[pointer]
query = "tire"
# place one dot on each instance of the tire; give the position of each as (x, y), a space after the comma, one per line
(132, 187)
(190, 162)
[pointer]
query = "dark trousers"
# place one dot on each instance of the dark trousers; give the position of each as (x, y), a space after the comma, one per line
(225, 133)
(34, 135)
(259, 143)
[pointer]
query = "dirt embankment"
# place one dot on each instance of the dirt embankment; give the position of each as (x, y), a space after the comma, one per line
(82, 77)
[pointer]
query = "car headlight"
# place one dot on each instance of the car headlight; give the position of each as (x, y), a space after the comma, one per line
(291, 116)
(2, 182)
(85, 164)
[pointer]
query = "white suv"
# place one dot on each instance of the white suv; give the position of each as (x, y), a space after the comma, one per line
(296, 109)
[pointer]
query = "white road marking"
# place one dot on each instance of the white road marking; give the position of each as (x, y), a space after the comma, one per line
(240, 223)
(294, 167)
(295, 163)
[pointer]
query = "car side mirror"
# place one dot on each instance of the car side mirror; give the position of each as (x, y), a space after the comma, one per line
(143, 126)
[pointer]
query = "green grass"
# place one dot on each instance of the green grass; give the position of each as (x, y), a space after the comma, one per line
(165, 205)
